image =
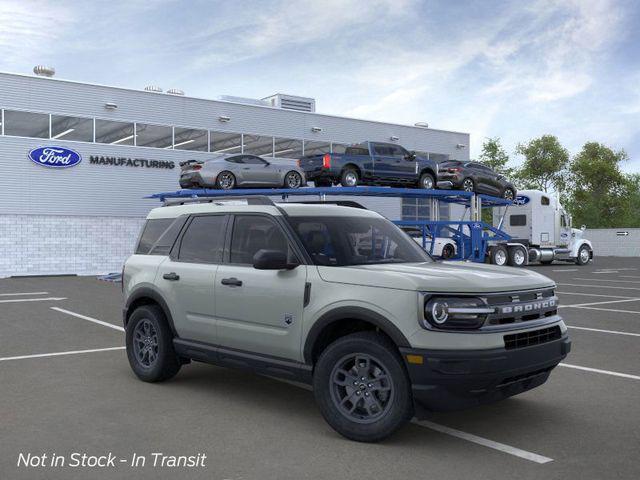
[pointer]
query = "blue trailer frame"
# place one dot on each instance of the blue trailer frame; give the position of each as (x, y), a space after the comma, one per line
(472, 237)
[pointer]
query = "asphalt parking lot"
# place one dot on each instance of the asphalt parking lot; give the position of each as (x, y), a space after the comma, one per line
(67, 387)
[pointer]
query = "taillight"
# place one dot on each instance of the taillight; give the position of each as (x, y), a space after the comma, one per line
(454, 170)
(196, 167)
(326, 161)
(122, 279)
(298, 162)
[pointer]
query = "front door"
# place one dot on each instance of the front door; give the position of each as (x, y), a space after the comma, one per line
(187, 278)
(259, 310)
(258, 171)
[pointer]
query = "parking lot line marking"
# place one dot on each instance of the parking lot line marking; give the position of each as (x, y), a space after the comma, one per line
(629, 276)
(597, 370)
(24, 293)
(607, 280)
(57, 354)
(533, 457)
(615, 332)
(89, 319)
(577, 305)
(592, 294)
(598, 286)
(567, 270)
(16, 300)
(609, 310)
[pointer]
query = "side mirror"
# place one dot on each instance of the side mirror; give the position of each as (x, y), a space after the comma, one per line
(410, 156)
(583, 228)
(272, 260)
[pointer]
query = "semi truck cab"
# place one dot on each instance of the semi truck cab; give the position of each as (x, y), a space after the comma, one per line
(540, 223)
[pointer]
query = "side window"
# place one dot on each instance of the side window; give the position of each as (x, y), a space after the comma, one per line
(151, 233)
(203, 241)
(238, 159)
(381, 149)
(398, 151)
(517, 220)
(253, 160)
(544, 200)
(252, 233)
(168, 238)
(563, 221)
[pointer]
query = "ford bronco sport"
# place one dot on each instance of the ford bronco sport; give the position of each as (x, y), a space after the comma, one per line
(340, 298)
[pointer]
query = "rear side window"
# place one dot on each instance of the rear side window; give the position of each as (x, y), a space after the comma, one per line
(544, 201)
(152, 231)
(203, 241)
(357, 151)
(518, 220)
(168, 238)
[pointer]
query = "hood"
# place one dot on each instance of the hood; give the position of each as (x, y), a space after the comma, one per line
(449, 277)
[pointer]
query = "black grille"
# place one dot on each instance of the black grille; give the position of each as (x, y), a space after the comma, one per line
(534, 337)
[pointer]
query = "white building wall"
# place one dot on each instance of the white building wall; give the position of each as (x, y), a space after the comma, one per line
(612, 242)
(59, 244)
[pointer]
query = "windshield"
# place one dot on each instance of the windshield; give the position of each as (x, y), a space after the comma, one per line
(347, 241)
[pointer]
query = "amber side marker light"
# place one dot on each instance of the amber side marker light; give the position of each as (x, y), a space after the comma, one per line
(415, 359)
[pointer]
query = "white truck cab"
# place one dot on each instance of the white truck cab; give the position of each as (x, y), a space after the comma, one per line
(538, 222)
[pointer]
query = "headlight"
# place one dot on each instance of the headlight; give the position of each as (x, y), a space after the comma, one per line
(455, 313)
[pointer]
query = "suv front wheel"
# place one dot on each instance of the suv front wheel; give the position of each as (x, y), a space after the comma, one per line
(150, 345)
(362, 388)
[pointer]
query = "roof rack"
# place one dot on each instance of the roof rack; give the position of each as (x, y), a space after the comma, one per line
(250, 200)
(340, 203)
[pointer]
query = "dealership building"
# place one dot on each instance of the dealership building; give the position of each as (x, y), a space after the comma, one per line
(126, 144)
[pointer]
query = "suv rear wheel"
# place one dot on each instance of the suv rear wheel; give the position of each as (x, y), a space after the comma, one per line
(362, 388)
(150, 345)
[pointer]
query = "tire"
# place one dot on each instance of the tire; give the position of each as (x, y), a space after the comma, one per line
(499, 255)
(292, 180)
(448, 251)
(225, 180)
(427, 182)
(546, 262)
(509, 194)
(584, 255)
(517, 257)
(382, 406)
(148, 367)
(468, 185)
(349, 177)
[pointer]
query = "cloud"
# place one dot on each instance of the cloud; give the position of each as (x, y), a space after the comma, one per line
(30, 29)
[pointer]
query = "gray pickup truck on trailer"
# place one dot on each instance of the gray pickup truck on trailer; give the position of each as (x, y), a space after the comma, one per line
(371, 163)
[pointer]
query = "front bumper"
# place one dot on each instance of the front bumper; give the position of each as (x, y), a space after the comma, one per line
(453, 380)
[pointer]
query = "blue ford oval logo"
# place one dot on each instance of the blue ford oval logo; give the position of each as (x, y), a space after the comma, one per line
(521, 200)
(55, 157)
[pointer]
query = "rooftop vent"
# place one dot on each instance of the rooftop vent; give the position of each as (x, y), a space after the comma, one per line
(175, 91)
(153, 88)
(291, 102)
(422, 124)
(244, 100)
(43, 71)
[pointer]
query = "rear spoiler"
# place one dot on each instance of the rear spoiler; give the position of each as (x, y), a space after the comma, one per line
(189, 162)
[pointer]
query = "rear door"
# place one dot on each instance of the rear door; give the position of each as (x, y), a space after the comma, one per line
(187, 277)
(384, 161)
(259, 310)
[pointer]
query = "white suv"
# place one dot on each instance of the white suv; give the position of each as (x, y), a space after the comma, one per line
(338, 297)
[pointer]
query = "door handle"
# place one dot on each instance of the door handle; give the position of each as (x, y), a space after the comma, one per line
(231, 282)
(171, 276)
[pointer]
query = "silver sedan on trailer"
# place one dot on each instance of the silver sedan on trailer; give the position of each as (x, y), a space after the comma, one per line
(241, 170)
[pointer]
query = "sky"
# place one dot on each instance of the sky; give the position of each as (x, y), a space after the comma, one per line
(509, 69)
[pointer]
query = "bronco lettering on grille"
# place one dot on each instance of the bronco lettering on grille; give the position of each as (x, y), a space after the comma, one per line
(528, 307)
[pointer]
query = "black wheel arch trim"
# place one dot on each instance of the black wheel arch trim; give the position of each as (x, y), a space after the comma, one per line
(147, 292)
(342, 314)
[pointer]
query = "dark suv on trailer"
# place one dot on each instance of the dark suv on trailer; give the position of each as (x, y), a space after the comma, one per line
(475, 177)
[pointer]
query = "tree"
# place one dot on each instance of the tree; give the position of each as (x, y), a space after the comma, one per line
(494, 156)
(545, 164)
(600, 194)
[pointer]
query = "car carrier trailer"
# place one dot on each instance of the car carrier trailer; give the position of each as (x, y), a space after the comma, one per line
(475, 240)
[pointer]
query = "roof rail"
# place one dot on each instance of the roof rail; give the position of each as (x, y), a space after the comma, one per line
(340, 203)
(250, 200)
